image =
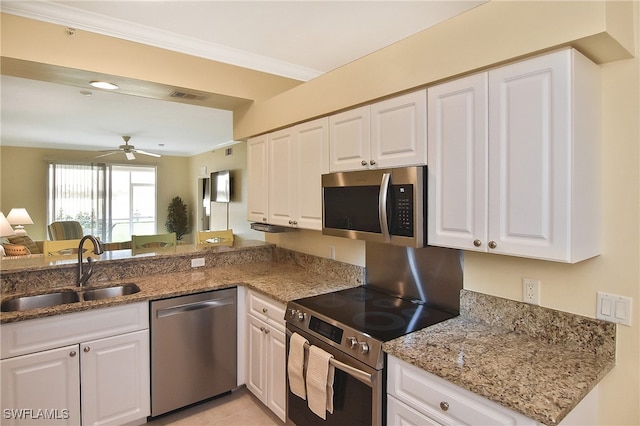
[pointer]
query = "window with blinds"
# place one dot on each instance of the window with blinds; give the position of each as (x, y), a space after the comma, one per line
(110, 201)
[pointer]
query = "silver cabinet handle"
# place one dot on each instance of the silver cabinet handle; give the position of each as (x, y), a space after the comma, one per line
(492, 244)
(372, 162)
(477, 243)
(364, 163)
(266, 331)
(382, 206)
(444, 406)
(86, 349)
(265, 310)
(264, 219)
(72, 354)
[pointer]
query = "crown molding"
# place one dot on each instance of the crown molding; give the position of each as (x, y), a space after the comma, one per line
(118, 28)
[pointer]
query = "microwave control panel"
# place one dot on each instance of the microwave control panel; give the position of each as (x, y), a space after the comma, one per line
(402, 219)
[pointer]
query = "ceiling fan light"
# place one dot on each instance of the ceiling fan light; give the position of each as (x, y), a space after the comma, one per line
(104, 85)
(130, 155)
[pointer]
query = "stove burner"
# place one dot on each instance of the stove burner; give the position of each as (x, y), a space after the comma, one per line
(378, 321)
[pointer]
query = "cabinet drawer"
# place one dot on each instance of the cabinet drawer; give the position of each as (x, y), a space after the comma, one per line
(36, 335)
(444, 401)
(266, 309)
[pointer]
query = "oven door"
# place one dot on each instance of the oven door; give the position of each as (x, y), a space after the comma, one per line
(358, 392)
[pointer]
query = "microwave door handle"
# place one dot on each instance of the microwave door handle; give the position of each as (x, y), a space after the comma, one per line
(382, 206)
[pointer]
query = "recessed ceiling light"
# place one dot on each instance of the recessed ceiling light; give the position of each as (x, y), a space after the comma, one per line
(85, 93)
(104, 85)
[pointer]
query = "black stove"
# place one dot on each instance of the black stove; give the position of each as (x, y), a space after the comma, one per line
(358, 320)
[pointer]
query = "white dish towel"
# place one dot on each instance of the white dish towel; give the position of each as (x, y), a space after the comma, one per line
(295, 365)
(320, 382)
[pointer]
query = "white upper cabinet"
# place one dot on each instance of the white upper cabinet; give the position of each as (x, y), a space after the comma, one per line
(350, 139)
(390, 133)
(539, 196)
(458, 147)
(285, 172)
(258, 177)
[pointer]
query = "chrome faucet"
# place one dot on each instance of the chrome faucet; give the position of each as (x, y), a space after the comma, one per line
(84, 275)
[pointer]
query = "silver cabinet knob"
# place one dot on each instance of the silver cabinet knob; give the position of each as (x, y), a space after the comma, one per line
(492, 244)
(364, 163)
(72, 354)
(86, 349)
(372, 162)
(477, 243)
(444, 405)
(262, 329)
(266, 331)
(265, 310)
(264, 219)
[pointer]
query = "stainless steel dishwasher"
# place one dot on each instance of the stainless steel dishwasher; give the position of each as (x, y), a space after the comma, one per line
(193, 348)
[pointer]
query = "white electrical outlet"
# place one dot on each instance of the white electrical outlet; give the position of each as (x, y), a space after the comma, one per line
(531, 290)
(195, 263)
(332, 252)
(614, 308)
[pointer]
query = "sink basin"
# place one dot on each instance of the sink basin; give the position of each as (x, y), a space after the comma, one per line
(24, 303)
(108, 292)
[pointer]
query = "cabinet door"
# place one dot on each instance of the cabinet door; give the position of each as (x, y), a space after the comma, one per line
(256, 376)
(402, 415)
(115, 379)
(457, 213)
(277, 372)
(529, 160)
(282, 186)
(399, 131)
(311, 161)
(350, 140)
(258, 176)
(42, 388)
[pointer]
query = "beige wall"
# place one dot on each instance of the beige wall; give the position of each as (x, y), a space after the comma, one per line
(490, 34)
(23, 182)
(237, 164)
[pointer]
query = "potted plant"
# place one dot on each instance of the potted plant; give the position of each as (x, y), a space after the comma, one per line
(177, 218)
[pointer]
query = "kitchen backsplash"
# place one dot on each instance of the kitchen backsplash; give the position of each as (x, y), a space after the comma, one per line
(554, 327)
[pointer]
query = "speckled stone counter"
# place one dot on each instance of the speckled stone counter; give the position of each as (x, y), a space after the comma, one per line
(280, 274)
(536, 361)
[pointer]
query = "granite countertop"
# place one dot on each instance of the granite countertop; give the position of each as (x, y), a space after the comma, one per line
(540, 373)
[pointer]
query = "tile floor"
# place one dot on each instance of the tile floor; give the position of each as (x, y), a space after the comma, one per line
(240, 408)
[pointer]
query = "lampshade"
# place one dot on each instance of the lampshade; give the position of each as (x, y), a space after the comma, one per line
(19, 217)
(5, 227)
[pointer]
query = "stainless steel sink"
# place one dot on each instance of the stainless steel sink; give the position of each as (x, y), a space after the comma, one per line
(24, 303)
(109, 292)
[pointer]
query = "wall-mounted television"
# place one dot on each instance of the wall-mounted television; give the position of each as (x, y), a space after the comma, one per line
(221, 186)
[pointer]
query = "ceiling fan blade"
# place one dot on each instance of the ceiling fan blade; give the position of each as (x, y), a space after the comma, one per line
(108, 153)
(139, 151)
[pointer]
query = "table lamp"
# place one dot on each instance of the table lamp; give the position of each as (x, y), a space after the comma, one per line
(19, 217)
(5, 227)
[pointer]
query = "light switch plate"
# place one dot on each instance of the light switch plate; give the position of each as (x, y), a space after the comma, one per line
(614, 308)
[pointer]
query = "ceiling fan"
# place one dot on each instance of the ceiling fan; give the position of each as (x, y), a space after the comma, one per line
(128, 150)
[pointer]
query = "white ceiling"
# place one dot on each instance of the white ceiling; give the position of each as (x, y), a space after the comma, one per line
(295, 39)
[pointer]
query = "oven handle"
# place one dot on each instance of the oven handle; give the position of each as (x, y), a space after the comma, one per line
(382, 206)
(357, 374)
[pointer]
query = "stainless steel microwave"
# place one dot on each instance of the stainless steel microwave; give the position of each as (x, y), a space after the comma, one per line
(385, 205)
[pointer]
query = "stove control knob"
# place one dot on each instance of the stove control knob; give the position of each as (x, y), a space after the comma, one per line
(292, 313)
(300, 316)
(364, 348)
(352, 342)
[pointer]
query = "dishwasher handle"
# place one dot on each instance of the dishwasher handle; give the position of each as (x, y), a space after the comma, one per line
(195, 306)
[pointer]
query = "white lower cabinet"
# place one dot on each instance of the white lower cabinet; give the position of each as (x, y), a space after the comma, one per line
(101, 379)
(416, 397)
(266, 352)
